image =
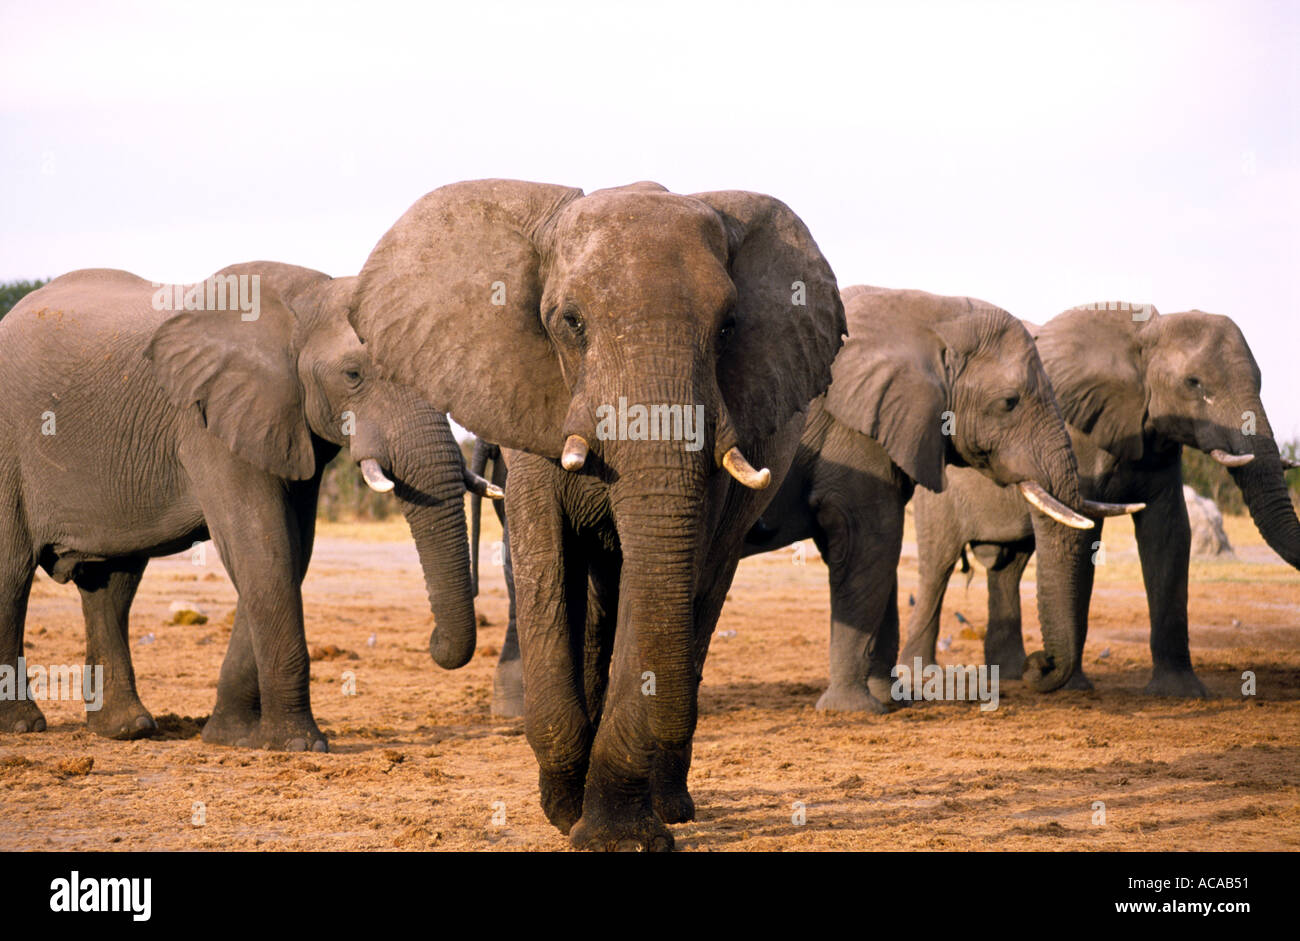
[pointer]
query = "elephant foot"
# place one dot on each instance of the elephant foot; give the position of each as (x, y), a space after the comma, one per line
(508, 689)
(626, 827)
(1078, 680)
(124, 720)
(1180, 683)
(854, 699)
(676, 806)
(1010, 662)
(923, 649)
(21, 716)
(562, 798)
(296, 734)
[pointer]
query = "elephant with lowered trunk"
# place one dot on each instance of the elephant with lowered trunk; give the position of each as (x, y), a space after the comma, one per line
(923, 382)
(530, 312)
(132, 427)
(1135, 388)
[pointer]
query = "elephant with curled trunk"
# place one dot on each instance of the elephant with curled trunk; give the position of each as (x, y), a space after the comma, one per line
(138, 419)
(1135, 388)
(923, 382)
(637, 354)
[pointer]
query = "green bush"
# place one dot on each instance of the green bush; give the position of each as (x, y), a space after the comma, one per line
(345, 496)
(11, 292)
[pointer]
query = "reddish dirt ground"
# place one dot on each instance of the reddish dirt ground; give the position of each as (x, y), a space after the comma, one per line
(417, 761)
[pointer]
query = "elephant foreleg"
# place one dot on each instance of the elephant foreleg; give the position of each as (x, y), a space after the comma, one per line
(107, 590)
(861, 540)
(556, 722)
(258, 532)
(1164, 539)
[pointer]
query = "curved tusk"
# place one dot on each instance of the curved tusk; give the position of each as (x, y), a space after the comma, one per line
(1231, 460)
(374, 476)
(1036, 496)
(1097, 508)
(744, 472)
(482, 486)
(575, 453)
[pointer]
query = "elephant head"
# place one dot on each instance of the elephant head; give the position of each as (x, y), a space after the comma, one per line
(951, 380)
(529, 311)
(284, 389)
(1138, 384)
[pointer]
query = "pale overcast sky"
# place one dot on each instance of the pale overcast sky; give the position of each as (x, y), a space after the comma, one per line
(1037, 155)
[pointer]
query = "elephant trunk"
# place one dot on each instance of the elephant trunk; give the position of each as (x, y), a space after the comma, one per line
(657, 498)
(1263, 485)
(430, 486)
(1064, 586)
(658, 533)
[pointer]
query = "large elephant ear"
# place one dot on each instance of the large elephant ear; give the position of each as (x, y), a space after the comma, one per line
(243, 376)
(1093, 356)
(890, 381)
(449, 303)
(789, 318)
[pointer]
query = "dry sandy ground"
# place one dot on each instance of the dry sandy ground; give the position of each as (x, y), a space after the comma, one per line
(417, 762)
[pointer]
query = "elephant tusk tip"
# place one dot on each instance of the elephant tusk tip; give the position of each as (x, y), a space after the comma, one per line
(374, 476)
(1043, 501)
(492, 491)
(1098, 508)
(740, 468)
(1231, 460)
(574, 455)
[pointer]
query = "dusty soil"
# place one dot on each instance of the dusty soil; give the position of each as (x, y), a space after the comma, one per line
(417, 761)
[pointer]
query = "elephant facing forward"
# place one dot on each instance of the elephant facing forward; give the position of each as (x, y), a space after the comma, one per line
(924, 382)
(529, 312)
(131, 429)
(1136, 388)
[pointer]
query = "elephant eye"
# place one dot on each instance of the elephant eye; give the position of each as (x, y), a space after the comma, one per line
(353, 376)
(573, 320)
(1010, 402)
(1193, 383)
(725, 332)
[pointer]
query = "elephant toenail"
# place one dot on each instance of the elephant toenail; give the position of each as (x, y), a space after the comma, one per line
(320, 745)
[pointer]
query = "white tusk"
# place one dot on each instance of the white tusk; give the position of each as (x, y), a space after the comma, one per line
(575, 453)
(482, 486)
(744, 472)
(1041, 499)
(1231, 460)
(374, 476)
(1112, 509)
(1288, 464)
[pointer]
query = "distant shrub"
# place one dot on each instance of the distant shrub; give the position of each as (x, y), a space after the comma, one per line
(11, 292)
(345, 496)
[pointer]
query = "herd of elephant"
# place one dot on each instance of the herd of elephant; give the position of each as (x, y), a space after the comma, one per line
(529, 312)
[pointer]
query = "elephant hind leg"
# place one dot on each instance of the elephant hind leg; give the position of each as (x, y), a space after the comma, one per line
(107, 590)
(16, 570)
(939, 546)
(1004, 643)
